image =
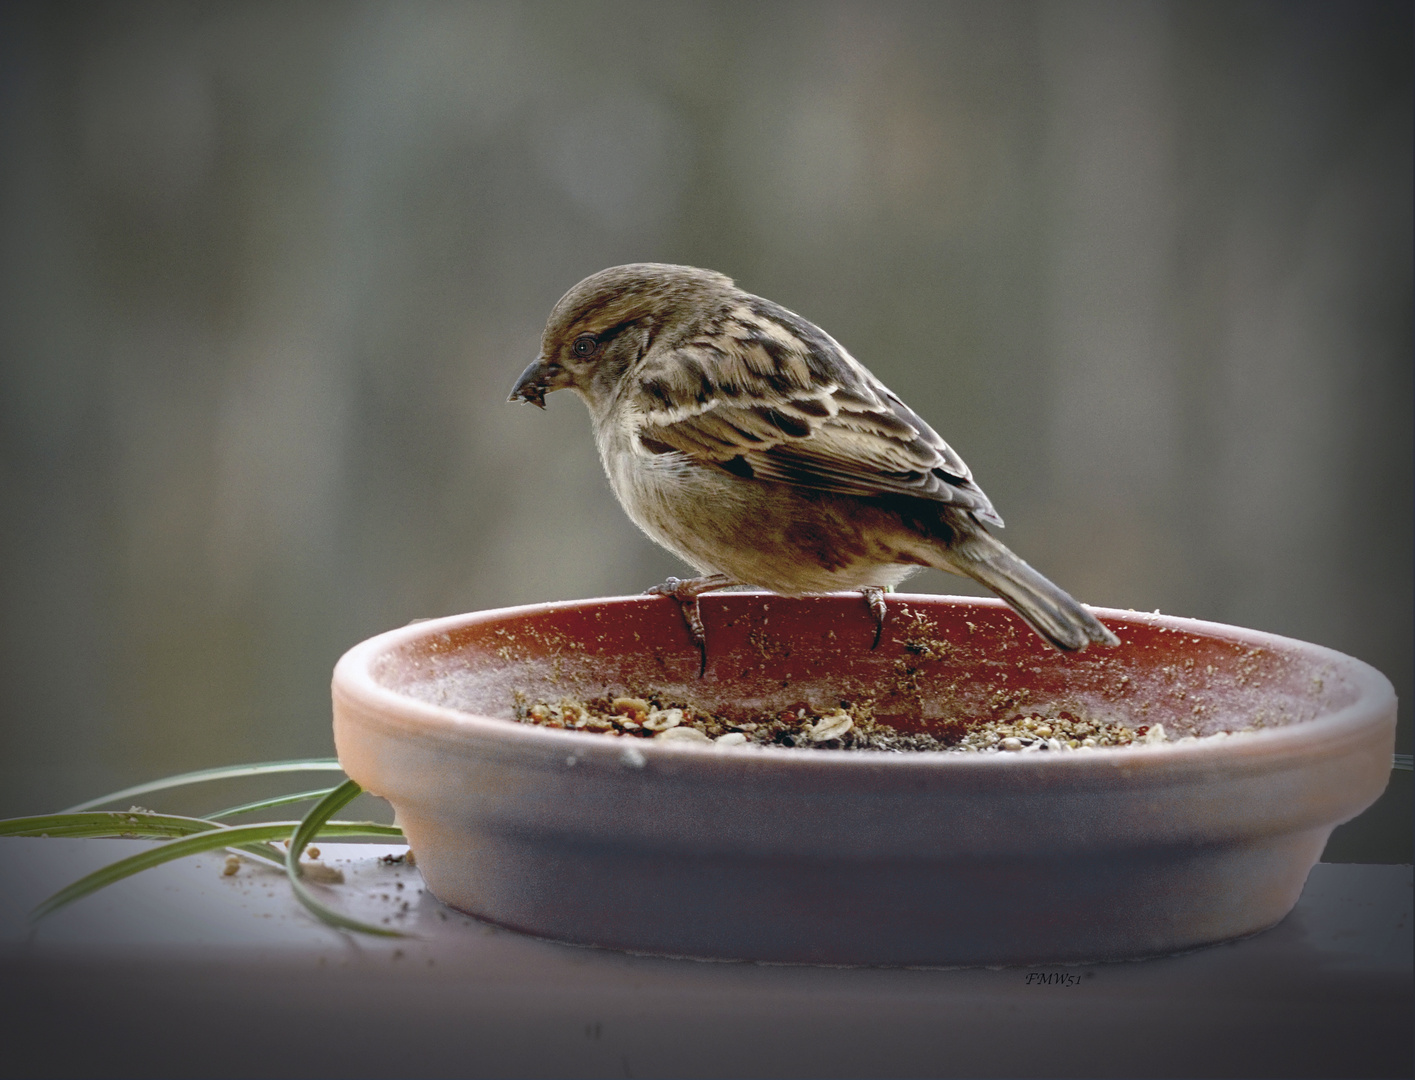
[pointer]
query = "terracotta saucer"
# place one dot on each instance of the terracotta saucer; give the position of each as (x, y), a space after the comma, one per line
(861, 857)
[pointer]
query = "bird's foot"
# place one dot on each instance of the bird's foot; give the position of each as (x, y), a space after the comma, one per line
(686, 591)
(874, 596)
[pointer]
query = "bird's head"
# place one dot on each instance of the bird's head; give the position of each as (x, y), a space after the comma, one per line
(605, 324)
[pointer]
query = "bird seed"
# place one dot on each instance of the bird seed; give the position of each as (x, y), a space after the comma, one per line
(847, 726)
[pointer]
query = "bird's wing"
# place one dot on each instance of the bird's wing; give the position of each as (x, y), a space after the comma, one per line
(768, 394)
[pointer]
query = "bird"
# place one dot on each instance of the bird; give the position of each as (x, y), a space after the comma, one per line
(750, 443)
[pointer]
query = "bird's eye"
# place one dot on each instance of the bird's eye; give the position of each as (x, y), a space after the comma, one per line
(585, 345)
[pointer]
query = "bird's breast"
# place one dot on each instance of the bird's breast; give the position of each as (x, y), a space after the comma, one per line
(777, 537)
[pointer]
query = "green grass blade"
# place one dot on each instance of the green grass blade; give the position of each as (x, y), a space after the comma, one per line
(356, 828)
(203, 776)
(196, 844)
(312, 825)
(268, 854)
(143, 860)
(270, 804)
(109, 823)
(321, 812)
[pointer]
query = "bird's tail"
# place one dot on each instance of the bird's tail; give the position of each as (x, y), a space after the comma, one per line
(1047, 608)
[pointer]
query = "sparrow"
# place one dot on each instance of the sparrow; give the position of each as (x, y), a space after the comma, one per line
(748, 441)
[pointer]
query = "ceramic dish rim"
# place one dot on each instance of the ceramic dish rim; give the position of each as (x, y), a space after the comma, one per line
(353, 679)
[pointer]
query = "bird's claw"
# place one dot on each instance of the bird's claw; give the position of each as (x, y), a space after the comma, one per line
(874, 596)
(686, 591)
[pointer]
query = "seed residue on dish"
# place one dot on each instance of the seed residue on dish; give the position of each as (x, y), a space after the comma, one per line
(851, 726)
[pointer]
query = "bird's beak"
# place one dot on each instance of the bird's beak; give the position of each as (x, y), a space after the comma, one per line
(539, 379)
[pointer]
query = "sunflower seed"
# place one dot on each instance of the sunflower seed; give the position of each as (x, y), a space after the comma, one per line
(831, 726)
(683, 734)
(663, 719)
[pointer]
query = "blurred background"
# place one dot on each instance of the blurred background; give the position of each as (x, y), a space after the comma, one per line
(270, 269)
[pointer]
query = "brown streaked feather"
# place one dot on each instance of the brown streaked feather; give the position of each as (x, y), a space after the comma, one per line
(783, 396)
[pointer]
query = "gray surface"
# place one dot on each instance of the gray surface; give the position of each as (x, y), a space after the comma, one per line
(182, 971)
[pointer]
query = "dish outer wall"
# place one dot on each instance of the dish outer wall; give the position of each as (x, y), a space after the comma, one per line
(857, 857)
